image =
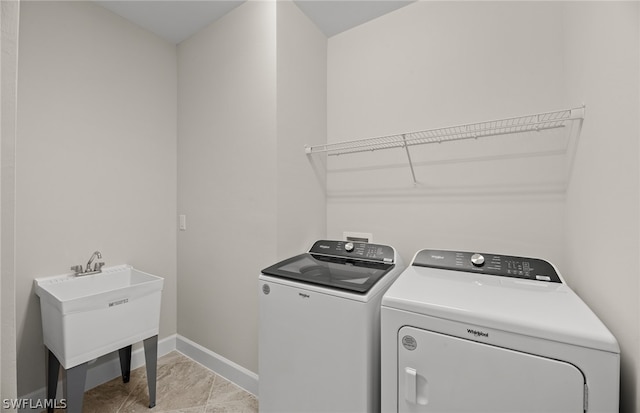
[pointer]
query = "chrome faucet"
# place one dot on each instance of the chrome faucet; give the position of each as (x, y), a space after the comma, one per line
(88, 270)
(93, 257)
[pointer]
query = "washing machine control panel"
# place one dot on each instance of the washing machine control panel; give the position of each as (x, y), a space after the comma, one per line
(352, 249)
(493, 264)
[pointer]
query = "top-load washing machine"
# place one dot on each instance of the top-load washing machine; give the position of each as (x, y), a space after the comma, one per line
(469, 332)
(320, 328)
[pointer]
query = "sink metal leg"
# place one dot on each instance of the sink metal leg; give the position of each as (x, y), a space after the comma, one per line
(53, 369)
(76, 377)
(125, 363)
(151, 359)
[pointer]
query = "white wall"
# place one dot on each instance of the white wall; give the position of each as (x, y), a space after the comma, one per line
(602, 49)
(436, 64)
(95, 156)
(227, 178)
(302, 120)
(433, 64)
(9, 14)
(97, 146)
(246, 109)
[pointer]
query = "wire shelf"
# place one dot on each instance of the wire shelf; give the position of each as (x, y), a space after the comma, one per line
(520, 124)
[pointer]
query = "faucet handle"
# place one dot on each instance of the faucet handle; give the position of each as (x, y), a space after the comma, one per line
(77, 269)
(98, 266)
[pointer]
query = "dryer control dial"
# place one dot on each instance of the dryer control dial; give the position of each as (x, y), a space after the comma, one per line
(348, 246)
(477, 260)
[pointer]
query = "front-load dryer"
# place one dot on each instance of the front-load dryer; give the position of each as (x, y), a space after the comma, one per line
(470, 332)
(320, 328)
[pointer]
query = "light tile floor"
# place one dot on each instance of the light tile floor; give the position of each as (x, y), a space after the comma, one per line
(182, 386)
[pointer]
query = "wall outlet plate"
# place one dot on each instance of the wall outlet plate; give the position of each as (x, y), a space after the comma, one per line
(357, 236)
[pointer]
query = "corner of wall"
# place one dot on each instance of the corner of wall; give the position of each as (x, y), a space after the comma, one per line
(301, 120)
(10, 17)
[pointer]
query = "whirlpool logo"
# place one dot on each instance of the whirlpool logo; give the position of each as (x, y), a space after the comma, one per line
(477, 333)
(303, 295)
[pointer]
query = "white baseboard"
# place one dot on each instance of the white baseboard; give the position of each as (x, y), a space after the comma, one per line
(103, 372)
(226, 368)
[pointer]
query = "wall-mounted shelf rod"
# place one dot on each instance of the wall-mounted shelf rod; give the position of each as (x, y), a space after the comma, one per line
(520, 124)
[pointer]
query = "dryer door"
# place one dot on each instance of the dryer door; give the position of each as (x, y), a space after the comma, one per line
(441, 373)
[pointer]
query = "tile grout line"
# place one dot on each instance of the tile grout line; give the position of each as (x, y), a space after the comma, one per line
(213, 385)
(125, 400)
(129, 393)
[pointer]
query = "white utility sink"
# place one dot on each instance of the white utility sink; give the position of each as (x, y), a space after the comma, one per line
(84, 317)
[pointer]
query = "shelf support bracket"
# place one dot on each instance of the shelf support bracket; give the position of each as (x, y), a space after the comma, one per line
(572, 144)
(406, 148)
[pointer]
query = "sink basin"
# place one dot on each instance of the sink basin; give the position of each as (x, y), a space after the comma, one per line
(84, 317)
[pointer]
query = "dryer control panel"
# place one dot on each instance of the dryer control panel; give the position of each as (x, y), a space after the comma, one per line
(493, 264)
(349, 249)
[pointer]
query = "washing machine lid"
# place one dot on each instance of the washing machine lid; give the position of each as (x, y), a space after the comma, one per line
(349, 266)
(537, 308)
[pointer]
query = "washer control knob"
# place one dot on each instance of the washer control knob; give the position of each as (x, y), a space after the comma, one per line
(477, 260)
(348, 246)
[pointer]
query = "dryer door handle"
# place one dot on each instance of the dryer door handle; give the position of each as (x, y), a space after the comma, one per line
(410, 384)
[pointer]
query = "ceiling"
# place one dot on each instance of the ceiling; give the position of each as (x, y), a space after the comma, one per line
(176, 20)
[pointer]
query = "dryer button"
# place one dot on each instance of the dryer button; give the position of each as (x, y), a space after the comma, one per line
(477, 260)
